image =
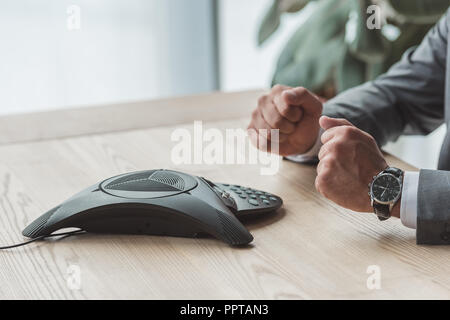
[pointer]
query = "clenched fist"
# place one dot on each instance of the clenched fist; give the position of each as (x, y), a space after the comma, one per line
(294, 111)
(348, 160)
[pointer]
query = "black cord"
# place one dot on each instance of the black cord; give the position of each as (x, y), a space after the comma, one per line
(65, 234)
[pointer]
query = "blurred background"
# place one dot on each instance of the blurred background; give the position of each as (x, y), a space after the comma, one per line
(79, 53)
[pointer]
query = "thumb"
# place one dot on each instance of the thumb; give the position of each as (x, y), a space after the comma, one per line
(327, 122)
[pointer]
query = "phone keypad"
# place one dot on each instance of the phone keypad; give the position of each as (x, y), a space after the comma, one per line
(249, 200)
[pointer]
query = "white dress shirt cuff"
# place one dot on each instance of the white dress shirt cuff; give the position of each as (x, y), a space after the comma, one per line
(311, 154)
(408, 204)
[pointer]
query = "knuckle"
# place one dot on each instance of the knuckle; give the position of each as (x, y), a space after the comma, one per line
(255, 114)
(277, 88)
(371, 139)
(332, 160)
(301, 90)
(278, 120)
(284, 110)
(326, 172)
(325, 167)
(262, 99)
(319, 167)
(260, 108)
(329, 165)
(324, 163)
(348, 132)
(321, 185)
(318, 184)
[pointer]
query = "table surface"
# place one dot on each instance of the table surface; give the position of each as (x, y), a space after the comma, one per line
(311, 248)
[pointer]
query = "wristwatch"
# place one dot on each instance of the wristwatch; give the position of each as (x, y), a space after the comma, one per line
(385, 190)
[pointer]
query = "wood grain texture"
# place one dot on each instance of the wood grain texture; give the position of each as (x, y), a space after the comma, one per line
(309, 249)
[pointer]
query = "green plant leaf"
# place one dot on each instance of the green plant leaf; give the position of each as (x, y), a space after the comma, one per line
(292, 6)
(317, 54)
(315, 49)
(350, 72)
(270, 22)
(368, 45)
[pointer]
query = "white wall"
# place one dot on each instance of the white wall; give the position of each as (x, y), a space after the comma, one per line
(244, 65)
(125, 50)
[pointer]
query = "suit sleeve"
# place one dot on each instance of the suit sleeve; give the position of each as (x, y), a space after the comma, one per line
(408, 99)
(433, 204)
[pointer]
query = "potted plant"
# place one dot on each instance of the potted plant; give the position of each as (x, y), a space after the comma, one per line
(336, 48)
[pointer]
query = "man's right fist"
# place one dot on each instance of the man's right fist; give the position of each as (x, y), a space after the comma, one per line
(294, 111)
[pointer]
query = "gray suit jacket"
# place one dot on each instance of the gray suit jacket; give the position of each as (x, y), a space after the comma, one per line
(413, 97)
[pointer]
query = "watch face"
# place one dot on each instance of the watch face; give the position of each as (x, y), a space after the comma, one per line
(386, 188)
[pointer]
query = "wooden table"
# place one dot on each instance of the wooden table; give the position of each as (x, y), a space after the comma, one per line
(310, 249)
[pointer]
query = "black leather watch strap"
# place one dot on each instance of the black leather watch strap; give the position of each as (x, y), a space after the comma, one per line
(393, 170)
(382, 211)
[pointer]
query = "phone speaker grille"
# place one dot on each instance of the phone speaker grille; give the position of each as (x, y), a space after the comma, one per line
(168, 178)
(148, 181)
(233, 233)
(129, 178)
(34, 228)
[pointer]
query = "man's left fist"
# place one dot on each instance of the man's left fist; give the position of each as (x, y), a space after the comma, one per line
(349, 158)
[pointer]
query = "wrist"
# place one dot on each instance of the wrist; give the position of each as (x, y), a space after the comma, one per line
(313, 148)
